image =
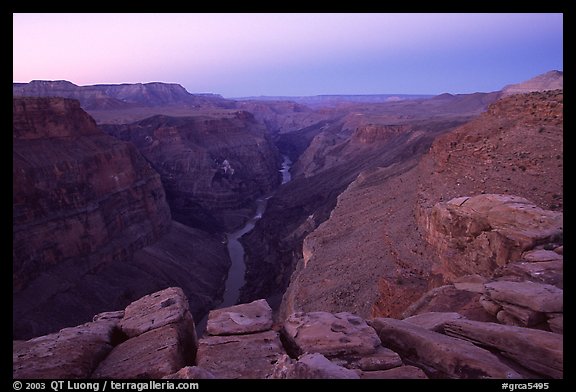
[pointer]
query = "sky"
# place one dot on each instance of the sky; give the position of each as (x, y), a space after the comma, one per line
(278, 54)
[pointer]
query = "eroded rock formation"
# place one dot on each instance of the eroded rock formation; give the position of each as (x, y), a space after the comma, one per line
(154, 337)
(91, 227)
(212, 167)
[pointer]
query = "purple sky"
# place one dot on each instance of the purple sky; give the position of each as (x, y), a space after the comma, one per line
(290, 54)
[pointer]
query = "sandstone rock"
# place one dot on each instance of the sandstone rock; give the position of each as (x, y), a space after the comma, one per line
(490, 306)
(333, 335)
(109, 316)
(536, 296)
(401, 372)
(548, 272)
(447, 299)
(240, 319)
(556, 324)
(311, 366)
(559, 250)
(240, 356)
(473, 283)
(153, 354)
(83, 201)
(477, 234)
(443, 356)
(540, 255)
(382, 359)
(536, 350)
(523, 317)
(190, 373)
(156, 310)
(70, 353)
(433, 321)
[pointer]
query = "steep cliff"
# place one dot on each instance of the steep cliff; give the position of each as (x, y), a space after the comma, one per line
(212, 167)
(386, 243)
(85, 207)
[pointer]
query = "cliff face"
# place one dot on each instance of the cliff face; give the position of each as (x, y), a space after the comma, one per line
(212, 167)
(391, 236)
(84, 205)
(76, 189)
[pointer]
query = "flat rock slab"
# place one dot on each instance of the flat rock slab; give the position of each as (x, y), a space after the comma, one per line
(331, 334)
(240, 319)
(251, 356)
(401, 372)
(443, 356)
(433, 321)
(539, 255)
(536, 296)
(547, 272)
(153, 354)
(537, 350)
(70, 353)
(154, 311)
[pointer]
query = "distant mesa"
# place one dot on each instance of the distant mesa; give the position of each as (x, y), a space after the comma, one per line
(119, 96)
(552, 80)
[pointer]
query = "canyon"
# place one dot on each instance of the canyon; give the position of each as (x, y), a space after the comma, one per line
(398, 209)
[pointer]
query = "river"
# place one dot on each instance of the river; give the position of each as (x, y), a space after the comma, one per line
(237, 270)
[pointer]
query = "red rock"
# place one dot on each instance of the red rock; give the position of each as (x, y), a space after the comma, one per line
(444, 356)
(401, 372)
(536, 350)
(252, 317)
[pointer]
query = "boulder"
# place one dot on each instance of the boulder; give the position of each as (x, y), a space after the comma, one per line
(548, 272)
(539, 351)
(70, 353)
(331, 334)
(240, 319)
(536, 296)
(441, 356)
(433, 321)
(153, 354)
(311, 366)
(475, 235)
(156, 310)
(401, 372)
(240, 356)
(521, 316)
(190, 373)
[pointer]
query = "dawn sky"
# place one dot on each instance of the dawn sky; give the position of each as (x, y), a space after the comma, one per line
(239, 55)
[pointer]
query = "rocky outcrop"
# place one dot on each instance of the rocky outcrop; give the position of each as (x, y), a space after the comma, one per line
(241, 319)
(70, 353)
(161, 338)
(539, 351)
(212, 167)
(552, 80)
(440, 355)
(154, 337)
(480, 233)
(91, 227)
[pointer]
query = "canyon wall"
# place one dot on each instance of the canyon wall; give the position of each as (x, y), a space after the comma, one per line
(388, 240)
(91, 226)
(212, 167)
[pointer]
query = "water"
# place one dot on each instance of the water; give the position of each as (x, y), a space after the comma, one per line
(237, 271)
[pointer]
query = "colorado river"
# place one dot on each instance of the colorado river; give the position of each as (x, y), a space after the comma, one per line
(237, 270)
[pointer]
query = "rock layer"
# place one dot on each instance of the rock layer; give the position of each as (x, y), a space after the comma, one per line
(92, 230)
(212, 167)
